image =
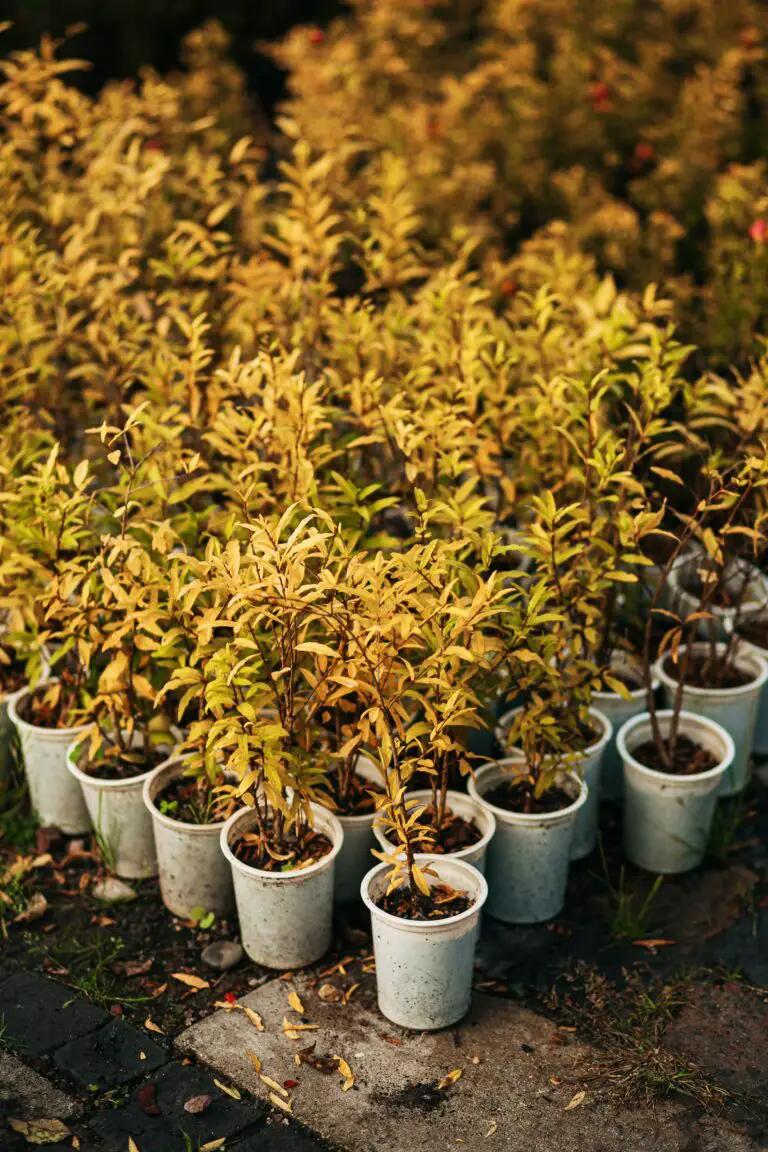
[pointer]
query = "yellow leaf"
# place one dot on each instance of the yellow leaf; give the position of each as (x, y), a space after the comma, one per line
(420, 881)
(579, 1098)
(451, 1078)
(114, 457)
(346, 1073)
(152, 1027)
(132, 1145)
(233, 1092)
(254, 1017)
(212, 1145)
(295, 1002)
(41, 1131)
(195, 982)
(253, 1059)
(273, 1084)
(284, 1104)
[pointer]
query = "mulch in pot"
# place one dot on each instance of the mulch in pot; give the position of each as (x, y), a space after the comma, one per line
(361, 798)
(299, 849)
(127, 765)
(192, 801)
(517, 796)
(454, 834)
(689, 758)
(703, 672)
(442, 902)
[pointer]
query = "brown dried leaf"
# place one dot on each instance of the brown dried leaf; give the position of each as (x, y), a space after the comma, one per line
(491, 1129)
(652, 945)
(574, 1102)
(196, 1105)
(36, 908)
(40, 1131)
(329, 993)
(195, 982)
(147, 1100)
(233, 1092)
(295, 1002)
(152, 1027)
(451, 1078)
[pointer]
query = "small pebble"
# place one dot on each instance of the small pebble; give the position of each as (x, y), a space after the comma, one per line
(222, 954)
(111, 890)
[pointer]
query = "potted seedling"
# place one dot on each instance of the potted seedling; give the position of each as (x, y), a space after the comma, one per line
(271, 594)
(676, 760)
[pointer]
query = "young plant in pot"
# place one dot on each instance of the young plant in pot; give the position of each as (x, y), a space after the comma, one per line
(53, 532)
(677, 760)
(271, 594)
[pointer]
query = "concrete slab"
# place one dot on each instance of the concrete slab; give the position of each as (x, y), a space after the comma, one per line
(516, 1084)
(28, 1096)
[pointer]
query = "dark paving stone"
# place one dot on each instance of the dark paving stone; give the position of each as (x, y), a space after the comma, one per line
(277, 1137)
(725, 1031)
(116, 1054)
(41, 1015)
(166, 1131)
(744, 947)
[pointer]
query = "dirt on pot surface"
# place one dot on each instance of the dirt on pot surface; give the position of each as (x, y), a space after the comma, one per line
(442, 902)
(455, 834)
(300, 849)
(517, 796)
(703, 672)
(688, 758)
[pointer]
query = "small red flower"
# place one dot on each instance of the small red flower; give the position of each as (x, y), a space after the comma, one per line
(316, 36)
(230, 997)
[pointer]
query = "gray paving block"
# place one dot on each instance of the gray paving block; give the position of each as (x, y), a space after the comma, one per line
(514, 1089)
(27, 1095)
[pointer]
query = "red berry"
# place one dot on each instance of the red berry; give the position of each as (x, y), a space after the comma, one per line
(316, 36)
(644, 152)
(230, 997)
(509, 288)
(759, 230)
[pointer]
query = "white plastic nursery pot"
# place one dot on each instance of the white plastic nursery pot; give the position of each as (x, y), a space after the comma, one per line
(119, 815)
(735, 709)
(618, 710)
(354, 858)
(760, 737)
(192, 871)
(56, 795)
(667, 818)
(528, 858)
(684, 603)
(462, 805)
(424, 968)
(286, 918)
(588, 764)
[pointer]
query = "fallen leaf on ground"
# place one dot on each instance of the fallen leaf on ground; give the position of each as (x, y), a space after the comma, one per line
(491, 1129)
(451, 1078)
(212, 1145)
(295, 1002)
(350, 993)
(579, 1098)
(133, 967)
(147, 1100)
(278, 1100)
(253, 1059)
(474, 1059)
(233, 1092)
(150, 1025)
(346, 1073)
(42, 861)
(329, 993)
(196, 1105)
(254, 1017)
(36, 908)
(195, 982)
(652, 945)
(132, 1145)
(40, 1131)
(273, 1084)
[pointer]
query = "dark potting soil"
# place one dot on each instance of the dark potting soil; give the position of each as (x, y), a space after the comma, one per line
(42, 713)
(12, 676)
(192, 801)
(518, 797)
(298, 850)
(454, 833)
(441, 903)
(126, 766)
(688, 759)
(360, 799)
(703, 672)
